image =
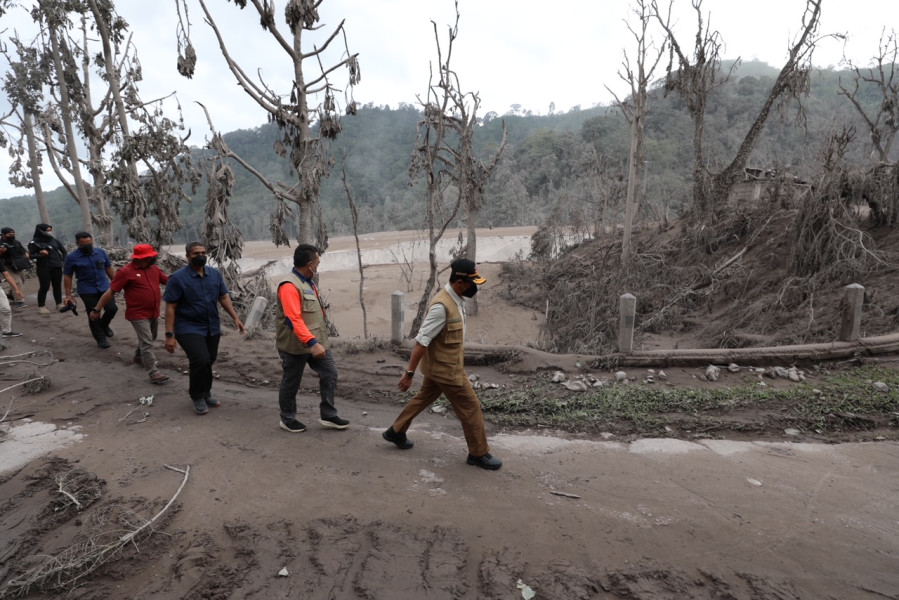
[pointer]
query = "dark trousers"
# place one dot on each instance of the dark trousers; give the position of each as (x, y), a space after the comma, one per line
(47, 276)
(293, 366)
(99, 327)
(201, 350)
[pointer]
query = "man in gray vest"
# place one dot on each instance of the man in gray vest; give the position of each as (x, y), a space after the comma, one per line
(302, 338)
(440, 351)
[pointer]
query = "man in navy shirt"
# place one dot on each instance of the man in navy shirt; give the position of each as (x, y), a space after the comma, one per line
(192, 297)
(92, 270)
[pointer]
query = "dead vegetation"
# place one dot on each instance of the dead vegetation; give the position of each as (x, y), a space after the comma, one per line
(771, 273)
(108, 532)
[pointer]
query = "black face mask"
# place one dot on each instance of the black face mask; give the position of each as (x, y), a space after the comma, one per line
(198, 261)
(470, 292)
(86, 249)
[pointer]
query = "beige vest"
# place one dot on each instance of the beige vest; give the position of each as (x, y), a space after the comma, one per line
(313, 316)
(444, 360)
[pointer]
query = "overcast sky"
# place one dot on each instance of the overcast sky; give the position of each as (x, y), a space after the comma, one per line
(563, 52)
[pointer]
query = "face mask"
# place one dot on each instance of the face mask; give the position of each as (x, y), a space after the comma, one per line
(198, 261)
(86, 248)
(49, 233)
(470, 292)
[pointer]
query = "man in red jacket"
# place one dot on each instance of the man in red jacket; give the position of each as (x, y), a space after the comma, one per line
(140, 279)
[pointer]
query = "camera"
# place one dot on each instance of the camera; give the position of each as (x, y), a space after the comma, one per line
(70, 306)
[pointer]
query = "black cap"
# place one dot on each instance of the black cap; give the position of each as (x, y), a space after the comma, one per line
(466, 269)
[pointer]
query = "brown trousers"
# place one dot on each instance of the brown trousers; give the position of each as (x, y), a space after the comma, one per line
(464, 402)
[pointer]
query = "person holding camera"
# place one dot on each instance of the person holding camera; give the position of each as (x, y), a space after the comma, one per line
(49, 255)
(15, 257)
(140, 279)
(5, 311)
(93, 270)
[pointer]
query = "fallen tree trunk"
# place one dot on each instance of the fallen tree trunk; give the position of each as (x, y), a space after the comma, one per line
(532, 359)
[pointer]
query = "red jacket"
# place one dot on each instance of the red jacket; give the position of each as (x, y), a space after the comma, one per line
(142, 294)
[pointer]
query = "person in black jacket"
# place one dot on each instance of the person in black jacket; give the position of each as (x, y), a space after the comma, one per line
(49, 255)
(15, 258)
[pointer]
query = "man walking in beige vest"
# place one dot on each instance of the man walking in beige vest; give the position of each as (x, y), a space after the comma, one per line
(302, 338)
(440, 351)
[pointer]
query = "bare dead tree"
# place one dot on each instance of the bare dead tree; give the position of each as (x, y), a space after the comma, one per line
(355, 214)
(224, 243)
(882, 76)
(151, 163)
(307, 152)
(610, 187)
(23, 85)
(61, 121)
(829, 246)
(223, 240)
(89, 135)
(638, 75)
(444, 154)
(428, 160)
(694, 78)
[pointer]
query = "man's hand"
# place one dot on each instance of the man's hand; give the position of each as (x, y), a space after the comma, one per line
(170, 345)
(95, 314)
(318, 351)
(405, 383)
(240, 328)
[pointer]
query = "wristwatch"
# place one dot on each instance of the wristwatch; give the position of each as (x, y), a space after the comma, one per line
(169, 334)
(95, 310)
(410, 373)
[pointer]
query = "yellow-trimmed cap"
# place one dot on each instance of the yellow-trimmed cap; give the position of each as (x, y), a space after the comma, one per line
(466, 269)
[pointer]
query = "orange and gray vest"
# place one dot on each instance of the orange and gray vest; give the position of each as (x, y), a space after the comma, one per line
(313, 316)
(444, 360)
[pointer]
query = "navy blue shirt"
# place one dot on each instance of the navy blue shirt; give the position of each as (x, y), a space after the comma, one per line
(197, 299)
(89, 270)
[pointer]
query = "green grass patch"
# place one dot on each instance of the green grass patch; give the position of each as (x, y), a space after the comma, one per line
(830, 402)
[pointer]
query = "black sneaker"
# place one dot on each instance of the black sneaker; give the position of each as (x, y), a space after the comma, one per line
(400, 439)
(485, 462)
(11, 334)
(334, 422)
(293, 427)
(103, 343)
(213, 402)
(200, 406)
(110, 332)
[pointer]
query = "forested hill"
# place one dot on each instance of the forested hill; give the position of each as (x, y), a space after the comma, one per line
(569, 167)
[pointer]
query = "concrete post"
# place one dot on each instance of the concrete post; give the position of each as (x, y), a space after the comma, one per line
(627, 310)
(256, 313)
(397, 318)
(850, 328)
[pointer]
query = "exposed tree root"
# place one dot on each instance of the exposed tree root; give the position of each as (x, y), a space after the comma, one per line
(64, 570)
